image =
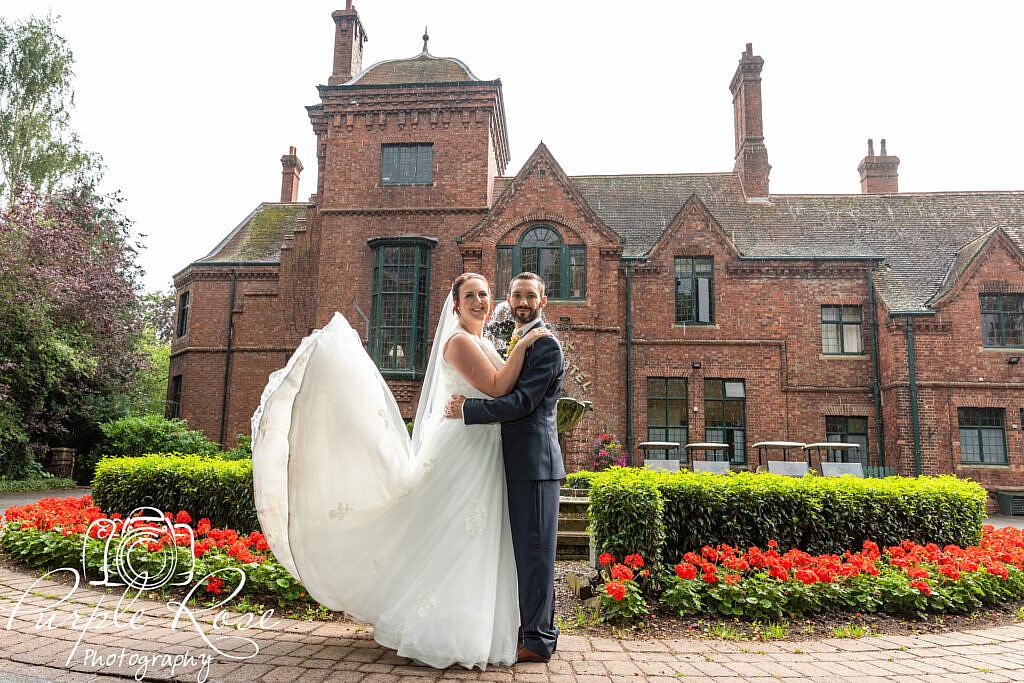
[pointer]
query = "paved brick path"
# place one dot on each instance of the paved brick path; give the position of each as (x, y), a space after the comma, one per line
(43, 634)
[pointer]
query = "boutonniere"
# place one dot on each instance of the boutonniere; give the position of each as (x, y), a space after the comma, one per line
(512, 343)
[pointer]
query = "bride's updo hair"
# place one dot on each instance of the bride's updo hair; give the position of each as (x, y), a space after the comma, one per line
(461, 280)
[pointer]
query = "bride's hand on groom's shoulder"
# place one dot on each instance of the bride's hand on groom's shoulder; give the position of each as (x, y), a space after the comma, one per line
(533, 335)
(453, 410)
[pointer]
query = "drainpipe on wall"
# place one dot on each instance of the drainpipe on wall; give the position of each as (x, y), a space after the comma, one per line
(227, 357)
(875, 390)
(629, 362)
(911, 362)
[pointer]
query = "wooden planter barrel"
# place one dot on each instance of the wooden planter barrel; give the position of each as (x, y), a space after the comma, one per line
(62, 462)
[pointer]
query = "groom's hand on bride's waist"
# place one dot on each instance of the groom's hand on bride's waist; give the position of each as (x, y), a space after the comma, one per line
(454, 408)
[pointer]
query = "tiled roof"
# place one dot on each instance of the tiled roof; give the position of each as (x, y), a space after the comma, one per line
(423, 68)
(917, 234)
(258, 238)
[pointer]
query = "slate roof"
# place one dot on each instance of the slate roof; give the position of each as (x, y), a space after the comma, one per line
(423, 68)
(917, 234)
(258, 238)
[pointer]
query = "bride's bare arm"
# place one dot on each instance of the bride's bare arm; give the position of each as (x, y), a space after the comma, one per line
(466, 356)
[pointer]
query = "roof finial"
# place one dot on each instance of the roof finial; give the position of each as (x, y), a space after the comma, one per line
(426, 37)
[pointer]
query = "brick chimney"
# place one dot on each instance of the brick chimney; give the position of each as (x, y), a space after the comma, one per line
(291, 167)
(751, 154)
(349, 37)
(878, 173)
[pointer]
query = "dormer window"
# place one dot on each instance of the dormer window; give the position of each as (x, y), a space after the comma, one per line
(1002, 319)
(405, 164)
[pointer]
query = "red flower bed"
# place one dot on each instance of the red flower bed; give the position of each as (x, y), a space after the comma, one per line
(65, 523)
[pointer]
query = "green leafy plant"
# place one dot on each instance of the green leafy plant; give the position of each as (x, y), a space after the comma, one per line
(579, 480)
(134, 436)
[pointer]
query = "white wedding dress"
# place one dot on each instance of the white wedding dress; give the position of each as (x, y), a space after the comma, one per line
(410, 536)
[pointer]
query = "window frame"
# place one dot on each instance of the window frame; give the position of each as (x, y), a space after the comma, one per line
(174, 405)
(418, 332)
(730, 457)
(976, 425)
(565, 266)
(1002, 318)
(184, 302)
(399, 148)
(695, 290)
(844, 433)
(664, 427)
(841, 324)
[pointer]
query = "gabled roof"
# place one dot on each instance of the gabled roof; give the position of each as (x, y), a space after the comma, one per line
(966, 256)
(423, 68)
(917, 235)
(258, 238)
(505, 191)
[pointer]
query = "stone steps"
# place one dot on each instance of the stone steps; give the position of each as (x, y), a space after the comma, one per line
(573, 539)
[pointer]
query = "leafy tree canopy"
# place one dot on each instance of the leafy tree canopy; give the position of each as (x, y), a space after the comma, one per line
(38, 148)
(70, 352)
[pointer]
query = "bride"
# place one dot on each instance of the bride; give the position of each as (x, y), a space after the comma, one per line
(412, 537)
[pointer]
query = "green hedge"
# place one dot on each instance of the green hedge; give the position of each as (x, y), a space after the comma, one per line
(667, 515)
(220, 490)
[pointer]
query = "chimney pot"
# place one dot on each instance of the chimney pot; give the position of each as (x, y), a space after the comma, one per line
(751, 155)
(879, 174)
(291, 167)
(349, 37)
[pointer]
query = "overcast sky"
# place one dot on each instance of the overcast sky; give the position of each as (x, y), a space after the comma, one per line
(192, 104)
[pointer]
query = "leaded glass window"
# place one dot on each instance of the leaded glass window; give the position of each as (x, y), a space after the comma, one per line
(725, 418)
(694, 286)
(541, 250)
(403, 164)
(183, 304)
(842, 330)
(401, 287)
(1002, 319)
(982, 435)
(848, 430)
(667, 416)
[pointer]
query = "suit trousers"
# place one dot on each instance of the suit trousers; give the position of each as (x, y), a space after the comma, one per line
(533, 516)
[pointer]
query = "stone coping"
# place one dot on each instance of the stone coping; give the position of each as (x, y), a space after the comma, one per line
(45, 640)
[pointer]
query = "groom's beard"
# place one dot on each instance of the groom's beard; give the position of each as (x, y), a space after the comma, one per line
(524, 318)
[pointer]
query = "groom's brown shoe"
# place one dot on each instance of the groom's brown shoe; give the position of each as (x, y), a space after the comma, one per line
(528, 655)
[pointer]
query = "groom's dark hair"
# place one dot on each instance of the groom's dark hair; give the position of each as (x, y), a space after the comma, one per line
(527, 275)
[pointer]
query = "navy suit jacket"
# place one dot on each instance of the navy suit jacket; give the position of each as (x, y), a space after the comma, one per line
(529, 434)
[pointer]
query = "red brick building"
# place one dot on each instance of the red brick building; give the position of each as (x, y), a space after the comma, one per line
(691, 307)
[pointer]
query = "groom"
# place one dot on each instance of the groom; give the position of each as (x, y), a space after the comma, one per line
(533, 466)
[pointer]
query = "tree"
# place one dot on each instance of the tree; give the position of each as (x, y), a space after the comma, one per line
(38, 148)
(158, 310)
(70, 351)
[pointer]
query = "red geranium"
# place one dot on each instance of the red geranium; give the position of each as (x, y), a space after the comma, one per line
(615, 589)
(686, 571)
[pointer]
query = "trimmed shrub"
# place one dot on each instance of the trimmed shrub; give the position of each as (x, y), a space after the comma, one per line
(579, 480)
(627, 513)
(220, 490)
(815, 514)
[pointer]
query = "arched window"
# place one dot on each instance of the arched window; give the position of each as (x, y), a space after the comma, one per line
(541, 250)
